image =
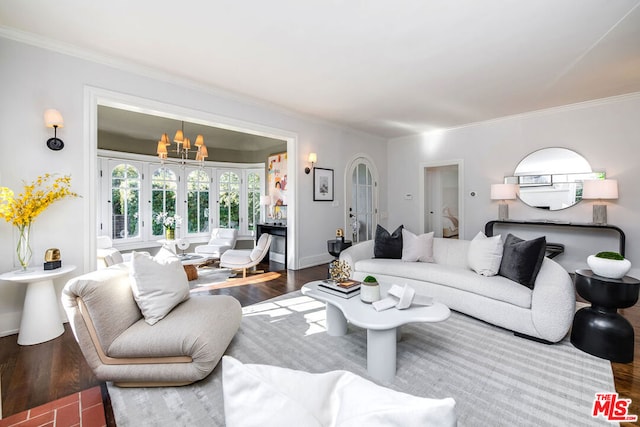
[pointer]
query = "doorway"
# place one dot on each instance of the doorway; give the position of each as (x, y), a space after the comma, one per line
(361, 199)
(442, 199)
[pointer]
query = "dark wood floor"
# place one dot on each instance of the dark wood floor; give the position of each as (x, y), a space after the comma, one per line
(33, 375)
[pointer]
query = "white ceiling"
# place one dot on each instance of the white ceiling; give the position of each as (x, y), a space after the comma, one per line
(390, 68)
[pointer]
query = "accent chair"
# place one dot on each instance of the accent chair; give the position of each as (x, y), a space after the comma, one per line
(222, 239)
(242, 259)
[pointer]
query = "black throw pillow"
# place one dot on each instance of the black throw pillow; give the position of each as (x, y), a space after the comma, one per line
(522, 259)
(388, 245)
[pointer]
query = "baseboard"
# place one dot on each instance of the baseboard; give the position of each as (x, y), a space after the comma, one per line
(312, 261)
(10, 323)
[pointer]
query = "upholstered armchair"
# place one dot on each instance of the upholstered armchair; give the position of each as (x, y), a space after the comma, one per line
(242, 259)
(222, 239)
(120, 346)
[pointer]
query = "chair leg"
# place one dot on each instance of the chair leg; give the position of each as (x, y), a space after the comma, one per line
(244, 273)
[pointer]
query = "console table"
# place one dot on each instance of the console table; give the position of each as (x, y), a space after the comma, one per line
(274, 230)
(488, 228)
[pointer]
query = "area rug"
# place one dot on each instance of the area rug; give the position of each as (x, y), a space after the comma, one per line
(497, 379)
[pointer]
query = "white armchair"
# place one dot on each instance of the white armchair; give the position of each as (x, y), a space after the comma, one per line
(108, 255)
(242, 259)
(222, 239)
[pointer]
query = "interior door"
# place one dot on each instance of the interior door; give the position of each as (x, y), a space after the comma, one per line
(361, 200)
(441, 200)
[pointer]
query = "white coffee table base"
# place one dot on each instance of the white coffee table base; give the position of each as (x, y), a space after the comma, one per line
(383, 328)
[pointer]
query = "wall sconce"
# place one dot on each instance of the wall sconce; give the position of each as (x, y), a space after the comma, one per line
(313, 158)
(53, 119)
(600, 189)
(503, 192)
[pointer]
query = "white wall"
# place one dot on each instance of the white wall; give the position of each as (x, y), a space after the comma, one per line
(34, 79)
(605, 132)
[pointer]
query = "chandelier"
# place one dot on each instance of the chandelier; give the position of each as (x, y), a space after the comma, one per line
(183, 147)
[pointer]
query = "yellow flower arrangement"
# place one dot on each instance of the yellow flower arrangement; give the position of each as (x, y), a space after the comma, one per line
(21, 211)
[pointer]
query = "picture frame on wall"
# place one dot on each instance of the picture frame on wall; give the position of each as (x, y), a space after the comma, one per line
(322, 185)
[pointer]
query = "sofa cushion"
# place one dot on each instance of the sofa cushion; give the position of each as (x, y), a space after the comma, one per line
(388, 245)
(522, 259)
(158, 285)
(417, 248)
(273, 396)
(495, 287)
(485, 254)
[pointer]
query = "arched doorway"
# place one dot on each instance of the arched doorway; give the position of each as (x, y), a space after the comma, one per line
(361, 199)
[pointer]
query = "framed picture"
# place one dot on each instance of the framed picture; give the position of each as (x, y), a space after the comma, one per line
(322, 185)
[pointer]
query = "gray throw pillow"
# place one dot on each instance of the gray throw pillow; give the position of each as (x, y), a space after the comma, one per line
(388, 245)
(522, 259)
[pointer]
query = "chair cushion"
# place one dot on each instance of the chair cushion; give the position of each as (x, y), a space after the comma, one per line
(236, 257)
(272, 396)
(158, 285)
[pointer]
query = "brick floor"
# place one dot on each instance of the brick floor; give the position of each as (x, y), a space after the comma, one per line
(83, 409)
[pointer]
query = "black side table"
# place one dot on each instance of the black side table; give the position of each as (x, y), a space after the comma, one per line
(336, 246)
(599, 330)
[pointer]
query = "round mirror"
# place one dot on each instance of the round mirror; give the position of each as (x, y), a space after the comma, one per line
(551, 178)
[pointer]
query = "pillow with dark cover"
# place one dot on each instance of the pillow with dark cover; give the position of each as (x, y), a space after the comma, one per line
(522, 259)
(387, 245)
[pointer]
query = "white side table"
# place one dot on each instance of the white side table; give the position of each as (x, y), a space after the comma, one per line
(40, 315)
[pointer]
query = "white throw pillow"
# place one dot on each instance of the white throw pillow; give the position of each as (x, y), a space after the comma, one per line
(158, 285)
(484, 254)
(262, 395)
(417, 248)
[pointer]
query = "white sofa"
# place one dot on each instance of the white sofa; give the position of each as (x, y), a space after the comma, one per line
(543, 313)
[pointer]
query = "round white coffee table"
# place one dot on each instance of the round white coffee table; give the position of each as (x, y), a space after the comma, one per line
(40, 315)
(383, 327)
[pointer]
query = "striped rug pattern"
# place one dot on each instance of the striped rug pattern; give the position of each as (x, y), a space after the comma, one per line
(497, 379)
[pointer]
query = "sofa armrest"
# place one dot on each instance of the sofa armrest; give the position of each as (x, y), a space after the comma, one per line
(357, 252)
(553, 301)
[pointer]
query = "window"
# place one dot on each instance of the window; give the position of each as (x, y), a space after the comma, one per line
(254, 190)
(125, 201)
(198, 183)
(134, 189)
(164, 186)
(229, 200)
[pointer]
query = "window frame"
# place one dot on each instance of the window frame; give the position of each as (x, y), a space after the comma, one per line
(147, 165)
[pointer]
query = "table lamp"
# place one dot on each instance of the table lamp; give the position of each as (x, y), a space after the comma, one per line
(266, 202)
(503, 192)
(600, 189)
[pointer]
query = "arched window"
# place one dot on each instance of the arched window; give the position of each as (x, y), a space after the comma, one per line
(164, 185)
(229, 200)
(125, 201)
(254, 189)
(198, 183)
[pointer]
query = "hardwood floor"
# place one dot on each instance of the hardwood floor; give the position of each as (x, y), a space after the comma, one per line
(33, 375)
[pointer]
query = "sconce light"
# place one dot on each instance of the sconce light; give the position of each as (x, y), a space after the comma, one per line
(313, 158)
(53, 119)
(600, 189)
(503, 192)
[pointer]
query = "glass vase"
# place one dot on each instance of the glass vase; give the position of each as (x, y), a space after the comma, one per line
(23, 250)
(170, 234)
